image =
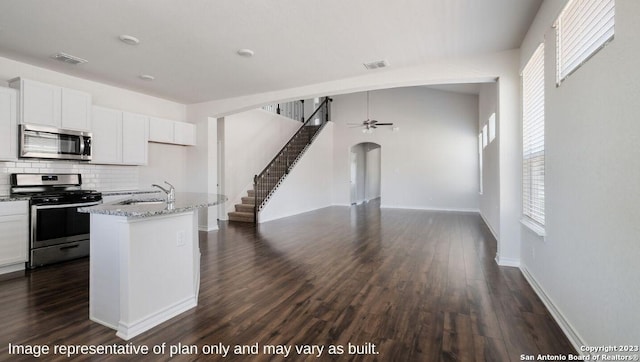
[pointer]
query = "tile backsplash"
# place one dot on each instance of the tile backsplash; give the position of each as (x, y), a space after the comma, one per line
(94, 177)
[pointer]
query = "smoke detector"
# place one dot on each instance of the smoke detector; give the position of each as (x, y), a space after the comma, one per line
(377, 64)
(69, 59)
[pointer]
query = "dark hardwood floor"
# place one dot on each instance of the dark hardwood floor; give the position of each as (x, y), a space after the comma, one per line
(419, 285)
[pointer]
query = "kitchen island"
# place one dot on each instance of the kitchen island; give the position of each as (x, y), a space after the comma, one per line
(145, 260)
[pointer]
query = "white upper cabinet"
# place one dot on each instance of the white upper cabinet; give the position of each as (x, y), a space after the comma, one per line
(168, 131)
(135, 135)
(160, 130)
(76, 110)
(106, 140)
(119, 137)
(184, 133)
(39, 102)
(53, 106)
(8, 124)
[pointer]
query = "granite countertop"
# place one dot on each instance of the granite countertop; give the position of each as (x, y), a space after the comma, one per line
(128, 192)
(4, 198)
(154, 206)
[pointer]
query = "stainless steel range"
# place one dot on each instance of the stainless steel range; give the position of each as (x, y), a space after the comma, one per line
(58, 231)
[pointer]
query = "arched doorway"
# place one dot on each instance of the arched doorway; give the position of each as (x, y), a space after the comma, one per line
(365, 160)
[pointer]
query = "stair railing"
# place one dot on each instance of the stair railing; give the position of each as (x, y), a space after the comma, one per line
(266, 182)
(293, 109)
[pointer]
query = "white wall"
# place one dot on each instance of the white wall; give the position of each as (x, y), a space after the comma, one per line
(367, 181)
(202, 167)
(372, 168)
(298, 192)
(490, 199)
(587, 264)
(251, 140)
(430, 163)
(166, 163)
(359, 181)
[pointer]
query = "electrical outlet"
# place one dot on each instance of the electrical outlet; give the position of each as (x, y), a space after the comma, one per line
(180, 238)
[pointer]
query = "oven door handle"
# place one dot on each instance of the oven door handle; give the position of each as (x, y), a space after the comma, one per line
(62, 206)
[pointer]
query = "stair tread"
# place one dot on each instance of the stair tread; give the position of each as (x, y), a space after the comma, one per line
(241, 213)
(245, 208)
(241, 216)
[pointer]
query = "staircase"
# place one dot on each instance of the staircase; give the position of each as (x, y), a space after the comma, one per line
(245, 211)
(265, 183)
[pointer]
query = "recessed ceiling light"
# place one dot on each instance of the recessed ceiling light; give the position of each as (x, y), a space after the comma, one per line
(147, 77)
(128, 39)
(245, 53)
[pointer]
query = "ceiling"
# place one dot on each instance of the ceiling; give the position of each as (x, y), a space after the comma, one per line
(190, 46)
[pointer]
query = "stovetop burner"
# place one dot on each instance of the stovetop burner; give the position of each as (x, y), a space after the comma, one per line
(52, 189)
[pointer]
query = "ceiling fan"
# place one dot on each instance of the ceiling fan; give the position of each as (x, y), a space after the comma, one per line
(369, 124)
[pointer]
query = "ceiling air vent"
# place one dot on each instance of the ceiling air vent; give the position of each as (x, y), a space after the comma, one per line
(377, 64)
(70, 59)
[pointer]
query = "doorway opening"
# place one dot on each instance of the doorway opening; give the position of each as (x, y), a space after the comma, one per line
(365, 160)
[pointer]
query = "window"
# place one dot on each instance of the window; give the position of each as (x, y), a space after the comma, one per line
(583, 28)
(533, 141)
(485, 135)
(492, 127)
(480, 160)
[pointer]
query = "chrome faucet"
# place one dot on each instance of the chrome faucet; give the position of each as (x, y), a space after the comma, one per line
(171, 192)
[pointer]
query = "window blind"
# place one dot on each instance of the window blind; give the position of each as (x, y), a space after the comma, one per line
(492, 127)
(480, 161)
(583, 28)
(533, 138)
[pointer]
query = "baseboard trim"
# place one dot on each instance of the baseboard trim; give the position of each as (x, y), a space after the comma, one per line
(261, 221)
(12, 268)
(508, 261)
(127, 331)
(493, 232)
(468, 211)
(567, 328)
(207, 229)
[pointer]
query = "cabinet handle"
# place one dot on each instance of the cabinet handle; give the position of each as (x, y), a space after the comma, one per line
(69, 247)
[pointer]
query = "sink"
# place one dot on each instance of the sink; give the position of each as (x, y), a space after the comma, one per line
(142, 202)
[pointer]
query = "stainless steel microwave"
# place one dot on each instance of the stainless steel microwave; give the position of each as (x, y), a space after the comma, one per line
(48, 142)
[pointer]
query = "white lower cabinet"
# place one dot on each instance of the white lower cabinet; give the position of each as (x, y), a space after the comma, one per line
(119, 138)
(14, 235)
